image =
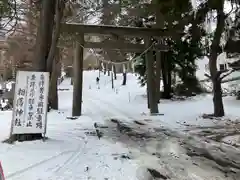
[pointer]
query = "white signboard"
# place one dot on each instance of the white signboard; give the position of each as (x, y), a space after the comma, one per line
(30, 102)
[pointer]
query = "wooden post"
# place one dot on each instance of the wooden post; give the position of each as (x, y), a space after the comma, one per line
(99, 68)
(108, 69)
(78, 77)
(158, 75)
(105, 68)
(151, 88)
(114, 72)
(112, 77)
(124, 75)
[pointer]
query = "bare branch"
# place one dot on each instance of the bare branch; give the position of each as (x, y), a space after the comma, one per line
(227, 74)
(207, 75)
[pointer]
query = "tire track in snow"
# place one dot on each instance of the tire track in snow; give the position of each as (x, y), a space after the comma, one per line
(71, 159)
(54, 170)
(24, 171)
(98, 110)
(102, 111)
(27, 169)
(102, 107)
(109, 107)
(59, 171)
(74, 157)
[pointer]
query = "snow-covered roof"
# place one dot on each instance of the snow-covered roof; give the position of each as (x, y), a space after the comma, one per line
(222, 58)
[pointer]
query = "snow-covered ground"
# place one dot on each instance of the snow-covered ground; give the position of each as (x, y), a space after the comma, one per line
(73, 151)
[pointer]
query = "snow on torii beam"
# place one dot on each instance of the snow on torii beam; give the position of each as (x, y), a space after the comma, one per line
(114, 30)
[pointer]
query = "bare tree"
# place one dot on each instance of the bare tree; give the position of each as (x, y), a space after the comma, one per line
(216, 75)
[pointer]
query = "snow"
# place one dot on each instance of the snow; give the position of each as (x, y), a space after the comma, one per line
(203, 69)
(72, 153)
(222, 59)
(7, 85)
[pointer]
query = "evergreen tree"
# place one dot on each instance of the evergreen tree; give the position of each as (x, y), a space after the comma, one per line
(233, 39)
(184, 55)
(183, 51)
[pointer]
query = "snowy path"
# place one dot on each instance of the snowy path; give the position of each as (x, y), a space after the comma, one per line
(73, 153)
(99, 156)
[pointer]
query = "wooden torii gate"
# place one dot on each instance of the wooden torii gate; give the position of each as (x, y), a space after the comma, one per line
(79, 30)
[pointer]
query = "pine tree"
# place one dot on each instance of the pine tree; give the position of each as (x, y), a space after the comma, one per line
(183, 51)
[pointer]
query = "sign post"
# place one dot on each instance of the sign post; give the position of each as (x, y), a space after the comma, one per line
(30, 103)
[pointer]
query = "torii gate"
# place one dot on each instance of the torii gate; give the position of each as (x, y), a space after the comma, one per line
(79, 30)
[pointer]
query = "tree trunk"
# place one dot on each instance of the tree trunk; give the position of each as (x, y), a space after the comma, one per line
(169, 81)
(59, 8)
(43, 43)
(148, 102)
(217, 98)
(53, 87)
(53, 93)
(72, 75)
(44, 35)
(166, 75)
(215, 74)
(60, 5)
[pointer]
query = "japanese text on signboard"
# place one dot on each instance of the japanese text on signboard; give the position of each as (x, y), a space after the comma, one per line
(30, 102)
